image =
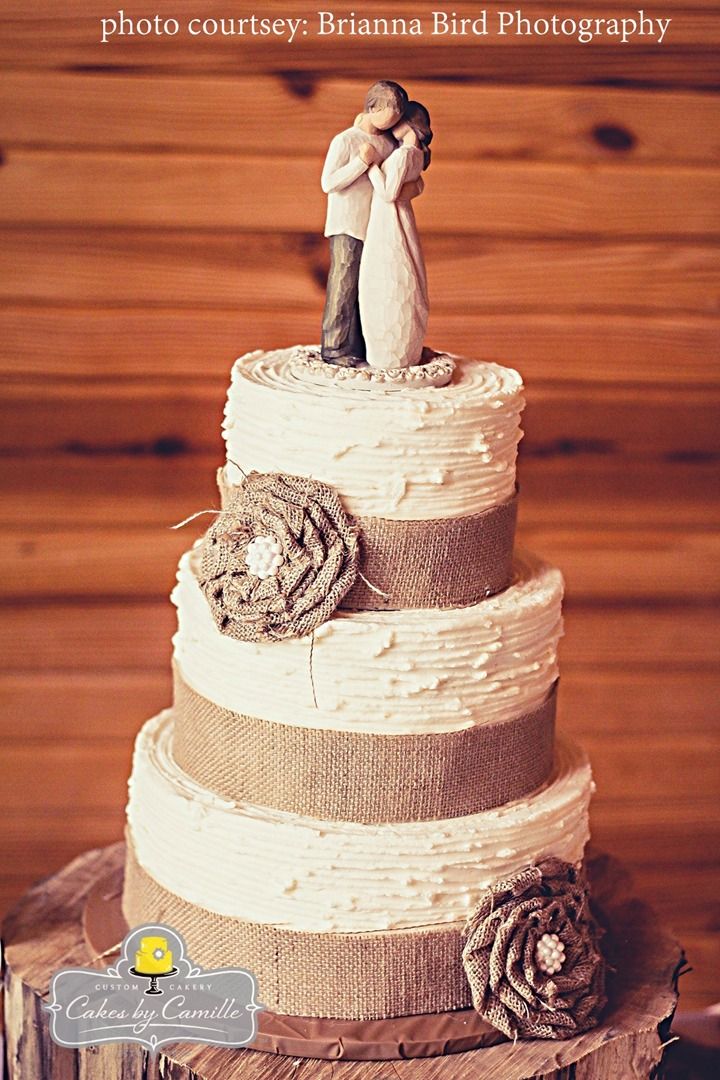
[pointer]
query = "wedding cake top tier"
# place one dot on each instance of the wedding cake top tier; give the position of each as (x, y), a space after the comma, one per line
(437, 452)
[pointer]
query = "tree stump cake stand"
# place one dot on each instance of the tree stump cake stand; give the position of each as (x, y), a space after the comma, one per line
(44, 932)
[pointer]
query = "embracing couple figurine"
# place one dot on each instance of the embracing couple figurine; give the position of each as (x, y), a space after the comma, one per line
(376, 308)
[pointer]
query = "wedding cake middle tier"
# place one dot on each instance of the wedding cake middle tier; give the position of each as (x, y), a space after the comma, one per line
(383, 716)
(388, 672)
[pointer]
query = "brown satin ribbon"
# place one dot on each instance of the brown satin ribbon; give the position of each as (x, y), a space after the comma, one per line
(439, 563)
(362, 777)
(361, 976)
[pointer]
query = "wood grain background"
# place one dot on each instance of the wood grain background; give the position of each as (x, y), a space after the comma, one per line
(160, 214)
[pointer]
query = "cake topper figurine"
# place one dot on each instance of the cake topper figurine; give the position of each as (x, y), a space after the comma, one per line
(376, 306)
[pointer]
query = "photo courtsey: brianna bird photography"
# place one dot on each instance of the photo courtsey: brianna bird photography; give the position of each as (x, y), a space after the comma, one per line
(636, 25)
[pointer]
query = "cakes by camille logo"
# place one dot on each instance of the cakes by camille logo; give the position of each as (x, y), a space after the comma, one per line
(154, 994)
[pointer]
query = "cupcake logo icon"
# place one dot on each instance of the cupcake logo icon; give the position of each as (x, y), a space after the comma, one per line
(153, 960)
(153, 994)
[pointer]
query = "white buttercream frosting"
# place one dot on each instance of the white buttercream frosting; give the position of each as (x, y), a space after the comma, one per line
(392, 672)
(291, 871)
(429, 453)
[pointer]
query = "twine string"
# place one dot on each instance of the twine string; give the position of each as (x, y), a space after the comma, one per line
(238, 467)
(197, 514)
(372, 587)
(310, 662)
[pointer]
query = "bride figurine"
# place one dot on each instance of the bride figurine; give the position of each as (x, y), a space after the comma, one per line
(392, 281)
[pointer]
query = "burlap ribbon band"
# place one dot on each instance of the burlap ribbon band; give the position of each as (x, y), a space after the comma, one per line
(362, 976)
(438, 563)
(355, 776)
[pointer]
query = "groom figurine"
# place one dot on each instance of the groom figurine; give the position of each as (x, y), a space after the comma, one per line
(349, 191)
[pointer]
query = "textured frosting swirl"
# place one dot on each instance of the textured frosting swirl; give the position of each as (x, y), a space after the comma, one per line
(391, 672)
(429, 453)
(268, 866)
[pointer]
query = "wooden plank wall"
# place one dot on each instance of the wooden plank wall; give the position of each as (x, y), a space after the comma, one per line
(160, 214)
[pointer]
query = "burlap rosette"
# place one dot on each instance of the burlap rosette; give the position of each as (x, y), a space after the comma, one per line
(531, 954)
(427, 563)
(279, 558)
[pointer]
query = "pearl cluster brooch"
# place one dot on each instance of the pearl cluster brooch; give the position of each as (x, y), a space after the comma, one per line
(550, 954)
(264, 557)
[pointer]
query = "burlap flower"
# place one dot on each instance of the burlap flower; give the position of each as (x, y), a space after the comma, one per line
(279, 559)
(508, 974)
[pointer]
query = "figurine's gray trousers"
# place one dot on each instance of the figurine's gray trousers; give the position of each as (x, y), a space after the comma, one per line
(341, 330)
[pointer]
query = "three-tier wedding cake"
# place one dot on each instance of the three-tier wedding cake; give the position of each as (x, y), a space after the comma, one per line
(358, 794)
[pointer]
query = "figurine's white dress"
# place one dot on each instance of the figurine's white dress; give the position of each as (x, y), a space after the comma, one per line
(393, 284)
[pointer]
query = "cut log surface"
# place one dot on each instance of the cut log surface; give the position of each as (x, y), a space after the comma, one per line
(44, 933)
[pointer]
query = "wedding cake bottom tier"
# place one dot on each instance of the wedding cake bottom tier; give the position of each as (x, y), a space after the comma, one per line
(352, 976)
(335, 918)
(267, 865)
